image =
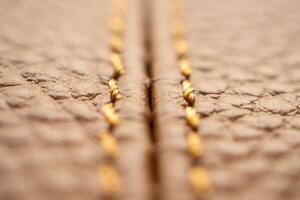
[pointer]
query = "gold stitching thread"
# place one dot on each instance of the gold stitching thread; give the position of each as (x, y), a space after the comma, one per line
(116, 43)
(117, 25)
(188, 92)
(109, 180)
(110, 114)
(199, 180)
(108, 176)
(192, 117)
(114, 90)
(116, 61)
(194, 144)
(181, 47)
(197, 176)
(185, 67)
(178, 29)
(109, 145)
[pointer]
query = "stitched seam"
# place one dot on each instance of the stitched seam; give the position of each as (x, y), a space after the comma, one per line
(108, 176)
(197, 175)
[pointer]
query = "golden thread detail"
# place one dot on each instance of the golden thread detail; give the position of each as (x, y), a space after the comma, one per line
(181, 47)
(197, 175)
(110, 114)
(192, 117)
(109, 145)
(194, 144)
(116, 43)
(109, 180)
(199, 180)
(117, 25)
(114, 90)
(116, 62)
(185, 67)
(188, 92)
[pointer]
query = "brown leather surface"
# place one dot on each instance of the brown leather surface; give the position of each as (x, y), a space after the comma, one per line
(245, 59)
(54, 70)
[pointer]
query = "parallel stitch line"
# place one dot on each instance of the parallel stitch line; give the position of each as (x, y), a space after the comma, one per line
(109, 178)
(197, 176)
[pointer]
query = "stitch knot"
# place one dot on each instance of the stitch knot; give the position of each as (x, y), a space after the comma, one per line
(181, 47)
(116, 43)
(116, 62)
(178, 29)
(109, 145)
(117, 25)
(199, 180)
(192, 117)
(109, 180)
(110, 114)
(114, 90)
(185, 67)
(188, 92)
(194, 144)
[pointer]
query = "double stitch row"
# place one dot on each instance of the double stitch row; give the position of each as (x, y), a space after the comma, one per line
(197, 175)
(109, 178)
